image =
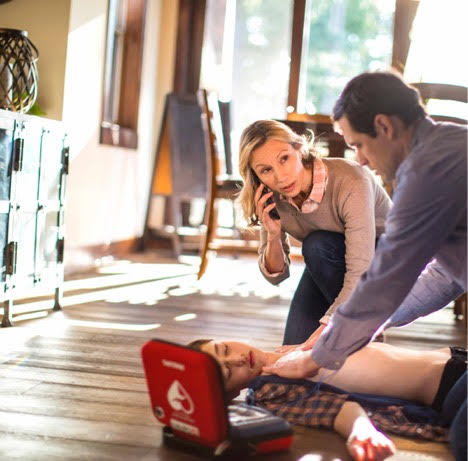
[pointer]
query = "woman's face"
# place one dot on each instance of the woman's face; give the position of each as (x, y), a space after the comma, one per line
(279, 166)
(240, 362)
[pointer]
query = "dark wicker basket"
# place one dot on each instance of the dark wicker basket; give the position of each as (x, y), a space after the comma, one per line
(18, 71)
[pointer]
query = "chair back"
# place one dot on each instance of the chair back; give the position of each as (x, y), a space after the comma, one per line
(328, 141)
(220, 186)
(225, 118)
(444, 92)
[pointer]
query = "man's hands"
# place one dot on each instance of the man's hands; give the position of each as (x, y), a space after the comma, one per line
(296, 364)
(305, 346)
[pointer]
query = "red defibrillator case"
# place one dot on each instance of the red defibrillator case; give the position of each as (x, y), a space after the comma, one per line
(187, 396)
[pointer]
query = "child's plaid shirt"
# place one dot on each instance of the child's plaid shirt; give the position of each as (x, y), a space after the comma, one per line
(306, 403)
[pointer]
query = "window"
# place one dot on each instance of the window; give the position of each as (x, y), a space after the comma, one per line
(247, 53)
(246, 59)
(341, 39)
(122, 72)
(437, 54)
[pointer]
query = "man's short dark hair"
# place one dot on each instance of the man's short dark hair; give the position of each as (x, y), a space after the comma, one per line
(373, 93)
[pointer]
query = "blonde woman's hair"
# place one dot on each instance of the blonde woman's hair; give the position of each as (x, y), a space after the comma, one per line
(253, 137)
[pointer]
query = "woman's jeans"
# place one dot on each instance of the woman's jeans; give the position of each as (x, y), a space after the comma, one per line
(453, 414)
(322, 280)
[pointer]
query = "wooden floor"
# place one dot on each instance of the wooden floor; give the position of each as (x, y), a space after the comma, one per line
(72, 385)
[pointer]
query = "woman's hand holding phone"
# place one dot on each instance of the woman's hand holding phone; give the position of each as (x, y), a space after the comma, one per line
(272, 226)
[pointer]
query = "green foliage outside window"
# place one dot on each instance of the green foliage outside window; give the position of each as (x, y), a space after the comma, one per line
(346, 37)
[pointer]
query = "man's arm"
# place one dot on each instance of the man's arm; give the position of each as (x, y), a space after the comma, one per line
(427, 207)
(433, 290)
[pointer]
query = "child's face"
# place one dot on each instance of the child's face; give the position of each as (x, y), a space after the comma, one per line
(239, 362)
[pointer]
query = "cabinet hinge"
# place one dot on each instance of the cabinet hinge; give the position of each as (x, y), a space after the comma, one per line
(18, 154)
(65, 158)
(60, 250)
(10, 258)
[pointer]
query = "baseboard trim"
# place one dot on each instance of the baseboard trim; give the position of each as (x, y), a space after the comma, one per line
(113, 248)
(85, 258)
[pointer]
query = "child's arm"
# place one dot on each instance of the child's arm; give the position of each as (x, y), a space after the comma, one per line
(364, 441)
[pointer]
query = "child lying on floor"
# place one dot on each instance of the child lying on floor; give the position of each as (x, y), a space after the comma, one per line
(377, 386)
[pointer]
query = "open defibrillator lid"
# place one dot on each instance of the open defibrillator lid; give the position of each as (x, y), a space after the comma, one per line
(186, 391)
(187, 396)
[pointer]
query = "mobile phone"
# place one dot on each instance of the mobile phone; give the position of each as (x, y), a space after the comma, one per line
(274, 212)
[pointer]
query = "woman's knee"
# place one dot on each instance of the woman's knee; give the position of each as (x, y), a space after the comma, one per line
(323, 244)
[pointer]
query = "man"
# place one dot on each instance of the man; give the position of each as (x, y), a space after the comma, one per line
(420, 262)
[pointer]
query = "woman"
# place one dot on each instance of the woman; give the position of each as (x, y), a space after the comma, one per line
(333, 206)
(388, 373)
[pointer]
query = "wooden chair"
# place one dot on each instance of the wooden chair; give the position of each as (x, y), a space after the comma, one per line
(322, 127)
(443, 92)
(220, 186)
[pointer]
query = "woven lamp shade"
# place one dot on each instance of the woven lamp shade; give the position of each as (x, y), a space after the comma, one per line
(18, 71)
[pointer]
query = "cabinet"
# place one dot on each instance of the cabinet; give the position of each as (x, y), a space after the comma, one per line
(34, 157)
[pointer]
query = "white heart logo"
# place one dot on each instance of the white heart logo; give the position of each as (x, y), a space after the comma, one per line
(179, 399)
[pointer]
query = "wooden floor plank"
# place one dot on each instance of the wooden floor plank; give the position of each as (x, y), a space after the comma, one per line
(41, 448)
(15, 386)
(89, 394)
(119, 411)
(86, 430)
(118, 367)
(74, 378)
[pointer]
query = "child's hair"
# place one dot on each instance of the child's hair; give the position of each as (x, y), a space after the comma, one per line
(253, 137)
(198, 343)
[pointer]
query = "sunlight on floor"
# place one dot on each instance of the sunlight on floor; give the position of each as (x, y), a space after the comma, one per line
(114, 326)
(185, 317)
(61, 321)
(147, 284)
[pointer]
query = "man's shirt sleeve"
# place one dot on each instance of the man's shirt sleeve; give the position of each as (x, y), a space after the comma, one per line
(433, 290)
